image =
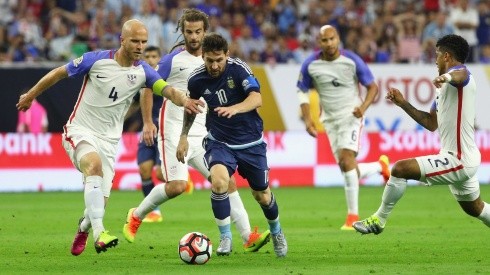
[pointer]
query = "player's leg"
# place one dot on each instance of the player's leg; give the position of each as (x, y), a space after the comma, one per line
(91, 165)
(382, 167)
(252, 165)
(348, 166)
(467, 193)
(146, 161)
(393, 191)
(222, 166)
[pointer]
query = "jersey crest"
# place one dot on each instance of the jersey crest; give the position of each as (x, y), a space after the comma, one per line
(230, 82)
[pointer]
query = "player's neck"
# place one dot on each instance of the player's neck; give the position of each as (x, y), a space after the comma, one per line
(196, 53)
(330, 58)
(122, 60)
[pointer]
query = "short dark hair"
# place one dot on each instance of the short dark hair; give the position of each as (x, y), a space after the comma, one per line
(152, 49)
(193, 15)
(455, 45)
(214, 42)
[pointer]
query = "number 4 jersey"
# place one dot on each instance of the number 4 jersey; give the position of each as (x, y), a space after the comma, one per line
(107, 91)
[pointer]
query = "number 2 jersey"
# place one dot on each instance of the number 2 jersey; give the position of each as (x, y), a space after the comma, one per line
(232, 87)
(107, 92)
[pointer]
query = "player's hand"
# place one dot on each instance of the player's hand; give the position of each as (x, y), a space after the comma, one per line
(149, 133)
(192, 106)
(395, 96)
(439, 80)
(25, 102)
(182, 149)
(226, 111)
(310, 128)
(358, 112)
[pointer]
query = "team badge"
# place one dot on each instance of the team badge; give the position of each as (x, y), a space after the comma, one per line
(131, 79)
(231, 83)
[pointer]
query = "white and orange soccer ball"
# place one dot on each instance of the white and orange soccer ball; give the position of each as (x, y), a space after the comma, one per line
(195, 248)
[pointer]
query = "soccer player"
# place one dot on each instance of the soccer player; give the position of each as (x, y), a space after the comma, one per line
(336, 74)
(91, 135)
(148, 155)
(453, 113)
(234, 139)
(176, 68)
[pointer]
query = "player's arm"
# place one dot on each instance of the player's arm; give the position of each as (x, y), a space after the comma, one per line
(149, 129)
(372, 91)
(304, 101)
(51, 78)
(179, 98)
(455, 77)
(427, 120)
(252, 102)
(183, 146)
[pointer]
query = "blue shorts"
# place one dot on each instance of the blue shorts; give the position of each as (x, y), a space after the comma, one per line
(148, 153)
(251, 162)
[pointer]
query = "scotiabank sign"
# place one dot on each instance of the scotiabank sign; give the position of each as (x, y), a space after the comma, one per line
(38, 162)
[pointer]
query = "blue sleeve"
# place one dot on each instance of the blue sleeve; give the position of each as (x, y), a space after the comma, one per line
(362, 70)
(151, 75)
(245, 77)
(305, 82)
(83, 64)
(165, 64)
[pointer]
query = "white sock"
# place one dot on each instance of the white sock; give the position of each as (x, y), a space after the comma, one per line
(94, 202)
(239, 215)
(485, 214)
(394, 190)
(156, 197)
(368, 169)
(85, 225)
(352, 191)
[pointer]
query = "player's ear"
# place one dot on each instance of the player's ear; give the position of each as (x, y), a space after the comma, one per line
(227, 54)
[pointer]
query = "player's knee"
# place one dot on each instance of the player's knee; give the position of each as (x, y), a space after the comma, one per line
(92, 168)
(398, 170)
(175, 188)
(262, 197)
(145, 173)
(472, 208)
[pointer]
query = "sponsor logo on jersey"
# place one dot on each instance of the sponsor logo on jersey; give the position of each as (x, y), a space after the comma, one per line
(230, 82)
(207, 92)
(77, 61)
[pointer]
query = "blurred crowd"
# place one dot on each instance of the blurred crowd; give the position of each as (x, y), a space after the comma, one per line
(259, 31)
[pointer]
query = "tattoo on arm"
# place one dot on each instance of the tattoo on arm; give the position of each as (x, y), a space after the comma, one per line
(188, 120)
(421, 117)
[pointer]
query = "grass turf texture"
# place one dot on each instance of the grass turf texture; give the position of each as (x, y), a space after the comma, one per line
(426, 233)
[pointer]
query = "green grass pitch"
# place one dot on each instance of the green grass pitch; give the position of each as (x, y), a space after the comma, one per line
(427, 233)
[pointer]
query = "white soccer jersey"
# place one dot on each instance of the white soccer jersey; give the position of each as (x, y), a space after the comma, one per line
(106, 92)
(337, 82)
(175, 68)
(456, 118)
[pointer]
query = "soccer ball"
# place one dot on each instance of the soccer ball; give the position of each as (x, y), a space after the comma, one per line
(195, 248)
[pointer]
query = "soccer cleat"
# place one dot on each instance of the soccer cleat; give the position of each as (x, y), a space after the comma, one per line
(385, 167)
(105, 241)
(131, 226)
(369, 225)
(224, 247)
(256, 240)
(153, 216)
(351, 218)
(80, 241)
(189, 188)
(280, 244)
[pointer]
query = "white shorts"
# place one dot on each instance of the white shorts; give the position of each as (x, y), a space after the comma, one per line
(343, 133)
(172, 169)
(446, 169)
(105, 150)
